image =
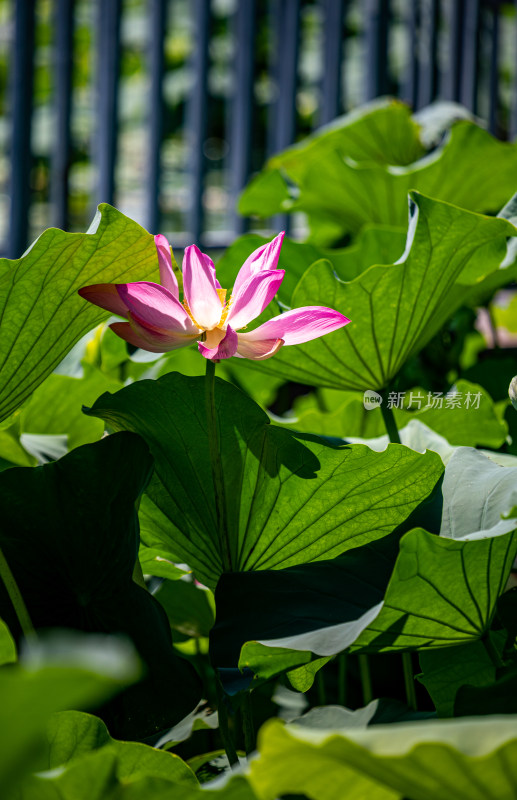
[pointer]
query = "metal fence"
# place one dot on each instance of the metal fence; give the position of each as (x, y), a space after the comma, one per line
(165, 107)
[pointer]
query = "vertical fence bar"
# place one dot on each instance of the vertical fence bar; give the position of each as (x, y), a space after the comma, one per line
(287, 45)
(196, 117)
(21, 104)
(108, 96)
(456, 11)
(157, 25)
(64, 26)
(427, 71)
(410, 89)
(469, 64)
(286, 19)
(242, 105)
(331, 84)
(494, 71)
(377, 20)
(512, 133)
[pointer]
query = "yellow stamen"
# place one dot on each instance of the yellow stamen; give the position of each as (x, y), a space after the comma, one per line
(222, 297)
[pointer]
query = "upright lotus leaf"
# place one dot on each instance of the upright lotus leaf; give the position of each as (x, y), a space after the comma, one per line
(476, 492)
(464, 759)
(30, 695)
(442, 592)
(341, 186)
(379, 133)
(70, 536)
(289, 499)
(395, 309)
(42, 315)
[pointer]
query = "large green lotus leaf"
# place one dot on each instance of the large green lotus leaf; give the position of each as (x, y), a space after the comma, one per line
(341, 190)
(379, 244)
(288, 766)
(442, 592)
(30, 695)
(70, 536)
(289, 499)
(473, 759)
(73, 734)
(467, 418)
(476, 492)
(379, 133)
(395, 309)
(42, 314)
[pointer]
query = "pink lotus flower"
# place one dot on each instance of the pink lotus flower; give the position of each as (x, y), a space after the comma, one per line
(158, 321)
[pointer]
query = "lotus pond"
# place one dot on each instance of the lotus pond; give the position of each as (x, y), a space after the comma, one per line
(260, 542)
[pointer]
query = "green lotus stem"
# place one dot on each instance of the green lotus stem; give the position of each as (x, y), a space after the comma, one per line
(493, 327)
(248, 727)
(495, 658)
(409, 681)
(341, 680)
(407, 665)
(16, 598)
(217, 468)
(389, 421)
(320, 683)
(366, 679)
(224, 728)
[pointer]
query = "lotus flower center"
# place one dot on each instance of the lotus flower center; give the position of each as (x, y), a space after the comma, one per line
(214, 335)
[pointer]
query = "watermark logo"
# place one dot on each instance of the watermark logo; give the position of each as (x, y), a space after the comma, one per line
(371, 400)
(416, 400)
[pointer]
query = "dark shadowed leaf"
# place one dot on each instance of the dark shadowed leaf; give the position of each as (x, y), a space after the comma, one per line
(70, 537)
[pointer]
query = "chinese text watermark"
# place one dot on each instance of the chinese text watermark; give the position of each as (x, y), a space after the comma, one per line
(417, 400)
